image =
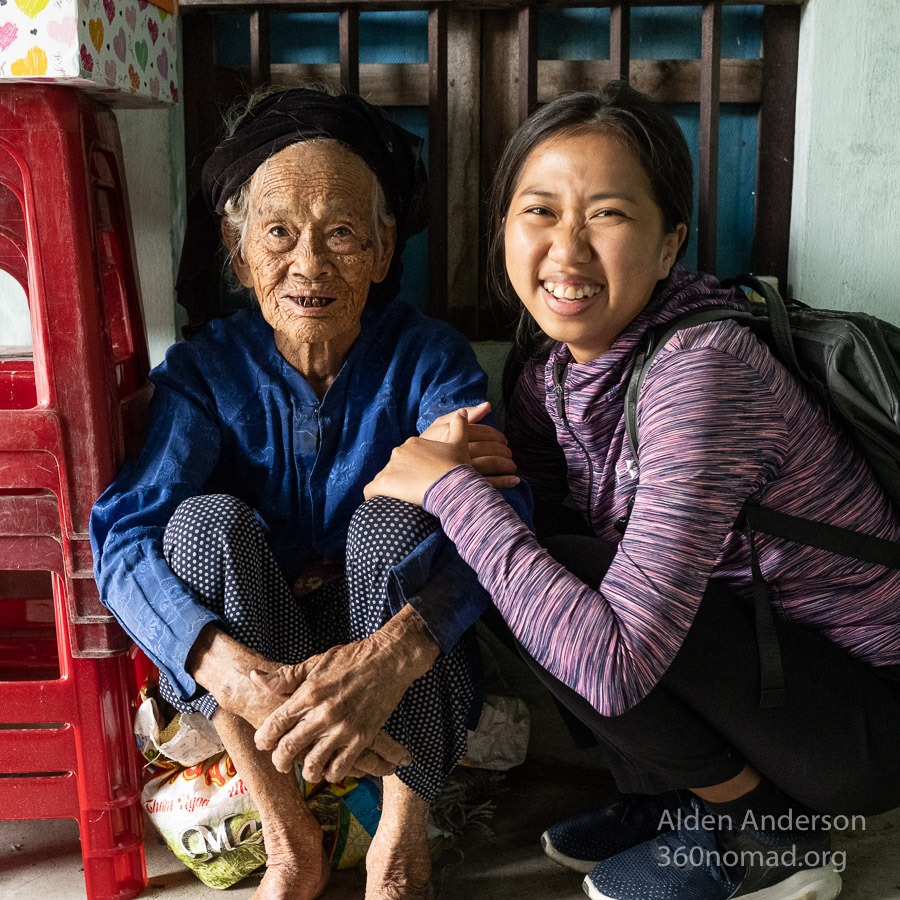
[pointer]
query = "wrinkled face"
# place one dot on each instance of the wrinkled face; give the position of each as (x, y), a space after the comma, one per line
(584, 240)
(310, 248)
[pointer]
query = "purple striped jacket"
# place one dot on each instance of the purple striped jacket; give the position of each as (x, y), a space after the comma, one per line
(720, 421)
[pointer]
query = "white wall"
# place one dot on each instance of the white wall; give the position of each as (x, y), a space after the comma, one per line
(15, 325)
(153, 148)
(846, 203)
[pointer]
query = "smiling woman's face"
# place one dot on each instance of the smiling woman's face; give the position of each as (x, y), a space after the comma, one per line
(310, 252)
(584, 240)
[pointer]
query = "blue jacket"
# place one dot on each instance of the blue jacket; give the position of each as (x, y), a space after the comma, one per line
(230, 415)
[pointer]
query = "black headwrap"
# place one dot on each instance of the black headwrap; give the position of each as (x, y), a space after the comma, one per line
(276, 122)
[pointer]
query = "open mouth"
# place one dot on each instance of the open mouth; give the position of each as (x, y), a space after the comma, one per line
(569, 291)
(311, 302)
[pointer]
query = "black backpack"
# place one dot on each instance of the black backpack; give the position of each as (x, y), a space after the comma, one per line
(851, 361)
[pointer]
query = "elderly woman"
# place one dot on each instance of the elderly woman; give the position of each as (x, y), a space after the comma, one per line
(228, 549)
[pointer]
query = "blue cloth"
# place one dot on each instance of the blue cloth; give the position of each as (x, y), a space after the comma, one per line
(230, 415)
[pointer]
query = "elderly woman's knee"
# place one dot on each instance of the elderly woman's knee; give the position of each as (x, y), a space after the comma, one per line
(213, 519)
(385, 530)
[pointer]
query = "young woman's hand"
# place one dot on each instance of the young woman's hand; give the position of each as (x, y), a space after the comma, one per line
(489, 452)
(416, 464)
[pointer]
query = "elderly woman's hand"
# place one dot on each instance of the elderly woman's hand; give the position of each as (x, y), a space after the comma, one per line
(223, 665)
(332, 719)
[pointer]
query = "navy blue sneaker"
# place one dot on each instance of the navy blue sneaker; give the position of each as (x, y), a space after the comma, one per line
(699, 861)
(580, 842)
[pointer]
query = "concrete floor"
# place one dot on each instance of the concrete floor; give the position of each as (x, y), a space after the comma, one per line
(42, 861)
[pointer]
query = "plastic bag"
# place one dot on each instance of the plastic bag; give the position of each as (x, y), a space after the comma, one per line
(206, 816)
(501, 739)
(188, 738)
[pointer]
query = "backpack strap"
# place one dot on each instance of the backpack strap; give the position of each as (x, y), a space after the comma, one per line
(810, 533)
(779, 335)
(772, 691)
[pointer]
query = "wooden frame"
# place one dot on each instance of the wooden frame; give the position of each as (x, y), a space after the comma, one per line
(482, 78)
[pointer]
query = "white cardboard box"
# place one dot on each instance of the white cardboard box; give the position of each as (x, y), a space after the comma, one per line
(125, 51)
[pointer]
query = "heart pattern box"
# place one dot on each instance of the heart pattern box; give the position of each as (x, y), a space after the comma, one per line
(125, 51)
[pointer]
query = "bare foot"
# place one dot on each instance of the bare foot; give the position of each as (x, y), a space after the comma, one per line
(398, 864)
(291, 880)
(297, 868)
(398, 867)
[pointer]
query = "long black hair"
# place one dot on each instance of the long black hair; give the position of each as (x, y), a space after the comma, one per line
(643, 126)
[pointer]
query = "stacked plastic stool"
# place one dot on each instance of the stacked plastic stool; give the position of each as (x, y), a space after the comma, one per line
(71, 410)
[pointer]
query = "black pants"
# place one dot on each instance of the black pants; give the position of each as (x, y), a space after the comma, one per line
(834, 746)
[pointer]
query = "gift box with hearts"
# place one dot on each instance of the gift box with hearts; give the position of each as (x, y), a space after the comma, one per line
(126, 51)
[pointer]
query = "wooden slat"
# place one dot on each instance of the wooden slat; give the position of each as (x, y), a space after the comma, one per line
(671, 80)
(527, 63)
(463, 210)
(707, 219)
(499, 88)
(260, 58)
(775, 175)
(499, 119)
(385, 84)
(620, 40)
(348, 31)
(437, 161)
(201, 125)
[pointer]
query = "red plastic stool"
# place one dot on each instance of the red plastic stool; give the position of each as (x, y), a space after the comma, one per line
(70, 411)
(66, 741)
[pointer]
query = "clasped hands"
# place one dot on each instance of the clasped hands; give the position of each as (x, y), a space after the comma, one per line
(330, 710)
(454, 439)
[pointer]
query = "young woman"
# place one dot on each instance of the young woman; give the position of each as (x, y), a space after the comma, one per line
(642, 624)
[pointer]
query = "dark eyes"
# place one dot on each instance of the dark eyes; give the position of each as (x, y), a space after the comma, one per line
(543, 212)
(279, 232)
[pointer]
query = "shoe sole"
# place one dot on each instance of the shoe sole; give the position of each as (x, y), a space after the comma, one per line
(567, 862)
(811, 884)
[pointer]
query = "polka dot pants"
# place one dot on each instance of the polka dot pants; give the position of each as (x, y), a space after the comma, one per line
(217, 546)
